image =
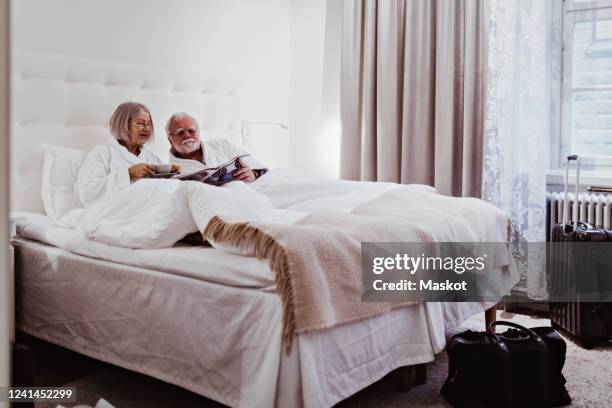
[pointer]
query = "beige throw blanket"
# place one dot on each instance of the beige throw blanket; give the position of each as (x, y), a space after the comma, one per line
(317, 260)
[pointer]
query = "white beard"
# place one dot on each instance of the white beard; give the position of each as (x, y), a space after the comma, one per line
(188, 147)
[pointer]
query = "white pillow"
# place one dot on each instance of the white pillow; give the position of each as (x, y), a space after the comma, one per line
(60, 173)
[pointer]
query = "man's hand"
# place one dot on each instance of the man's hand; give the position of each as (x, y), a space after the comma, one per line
(175, 168)
(141, 170)
(245, 173)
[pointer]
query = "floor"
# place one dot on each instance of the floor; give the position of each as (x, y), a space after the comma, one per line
(588, 374)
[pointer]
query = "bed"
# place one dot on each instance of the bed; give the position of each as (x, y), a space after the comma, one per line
(201, 318)
(203, 326)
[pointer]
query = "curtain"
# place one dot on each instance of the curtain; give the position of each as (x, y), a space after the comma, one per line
(413, 92)
(517, 128)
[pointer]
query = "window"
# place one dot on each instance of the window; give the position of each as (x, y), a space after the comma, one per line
(586, 82)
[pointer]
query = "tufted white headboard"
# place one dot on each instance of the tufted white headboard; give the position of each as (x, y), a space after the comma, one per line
(67, 101)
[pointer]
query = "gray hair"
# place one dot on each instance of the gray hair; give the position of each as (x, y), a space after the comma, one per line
(179, 116)
(120, 120)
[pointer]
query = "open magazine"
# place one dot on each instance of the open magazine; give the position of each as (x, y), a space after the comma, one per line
(215, 175)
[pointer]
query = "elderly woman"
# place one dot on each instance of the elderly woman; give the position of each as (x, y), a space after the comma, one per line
(111, 167)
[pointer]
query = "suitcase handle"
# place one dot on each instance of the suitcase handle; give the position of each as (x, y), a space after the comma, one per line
(577, 159)
(523, 329)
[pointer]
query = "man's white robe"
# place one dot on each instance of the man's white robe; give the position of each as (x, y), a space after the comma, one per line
(215, 153)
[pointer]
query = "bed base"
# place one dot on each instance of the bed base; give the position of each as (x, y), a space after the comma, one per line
(407, 377)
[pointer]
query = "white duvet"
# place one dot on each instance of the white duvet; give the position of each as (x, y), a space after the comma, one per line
(156, 213)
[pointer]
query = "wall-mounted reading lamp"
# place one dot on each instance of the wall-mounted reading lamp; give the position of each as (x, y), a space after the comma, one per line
(245, 129)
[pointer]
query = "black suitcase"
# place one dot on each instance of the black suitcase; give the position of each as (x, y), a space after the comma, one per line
(588, 322)
(518, 368)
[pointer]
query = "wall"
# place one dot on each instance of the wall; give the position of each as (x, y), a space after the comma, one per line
(246, 41)
(316, 38)
(6, 309)
(284, 56)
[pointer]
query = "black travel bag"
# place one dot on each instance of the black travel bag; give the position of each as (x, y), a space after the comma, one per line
(573, 266)
(518, 368)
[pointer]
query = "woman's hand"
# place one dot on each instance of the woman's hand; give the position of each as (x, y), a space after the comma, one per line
(245, 173)
(175, 168)
(141, 170)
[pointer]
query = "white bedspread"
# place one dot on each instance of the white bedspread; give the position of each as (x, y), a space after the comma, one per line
(203, 263)
(157, 213)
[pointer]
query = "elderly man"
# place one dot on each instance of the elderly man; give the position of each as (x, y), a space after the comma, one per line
(192, 154)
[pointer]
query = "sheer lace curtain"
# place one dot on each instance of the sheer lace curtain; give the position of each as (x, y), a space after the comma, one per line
(517, 127)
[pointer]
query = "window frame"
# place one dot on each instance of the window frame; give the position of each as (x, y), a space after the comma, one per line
(565, 16)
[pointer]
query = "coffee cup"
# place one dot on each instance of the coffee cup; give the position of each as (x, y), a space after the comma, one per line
(163, 168)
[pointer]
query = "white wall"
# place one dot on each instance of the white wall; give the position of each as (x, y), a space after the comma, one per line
(246, 41)
(5, 279)
(316, 35)
(284, 56)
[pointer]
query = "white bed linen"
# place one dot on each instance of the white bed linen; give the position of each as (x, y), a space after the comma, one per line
(174, 208)
(205, 263)
(200, 328)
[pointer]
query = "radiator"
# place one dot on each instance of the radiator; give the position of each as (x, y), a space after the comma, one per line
(593, 208)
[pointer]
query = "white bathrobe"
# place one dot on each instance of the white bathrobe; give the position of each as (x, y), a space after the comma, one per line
(216, 153)
(105, 171)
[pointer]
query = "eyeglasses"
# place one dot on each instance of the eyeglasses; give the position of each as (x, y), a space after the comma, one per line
(142, 125)
(181, 132)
